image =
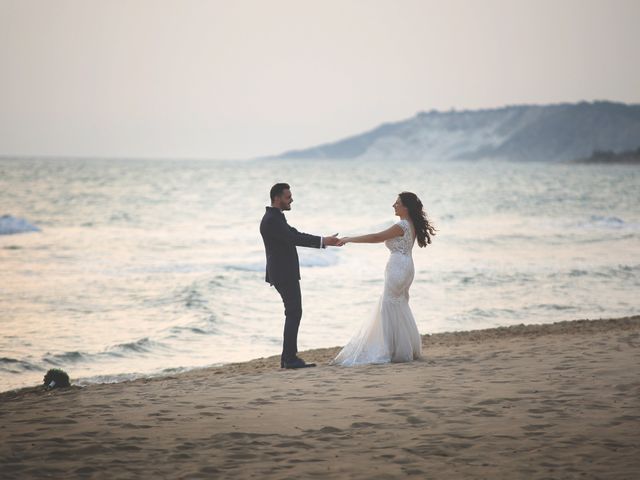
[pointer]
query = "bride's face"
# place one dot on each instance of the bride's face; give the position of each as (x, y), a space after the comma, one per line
(399, 208)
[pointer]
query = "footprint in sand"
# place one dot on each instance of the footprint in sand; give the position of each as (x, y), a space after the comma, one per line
(413, 420)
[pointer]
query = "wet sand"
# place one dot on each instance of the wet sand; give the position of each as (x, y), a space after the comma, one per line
(530, 402)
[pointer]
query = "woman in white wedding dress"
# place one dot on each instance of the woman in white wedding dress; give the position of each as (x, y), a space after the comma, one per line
(391, 335)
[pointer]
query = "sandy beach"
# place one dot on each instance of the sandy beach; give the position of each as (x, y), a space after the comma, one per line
(541, 401)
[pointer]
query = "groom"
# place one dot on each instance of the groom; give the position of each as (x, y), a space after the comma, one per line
(283, 269)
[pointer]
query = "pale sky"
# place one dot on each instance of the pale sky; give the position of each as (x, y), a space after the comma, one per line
(239, 78)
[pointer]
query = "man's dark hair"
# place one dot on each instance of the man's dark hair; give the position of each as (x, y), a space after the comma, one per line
(277, 190)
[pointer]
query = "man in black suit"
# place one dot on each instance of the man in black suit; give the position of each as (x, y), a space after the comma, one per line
(283, 268)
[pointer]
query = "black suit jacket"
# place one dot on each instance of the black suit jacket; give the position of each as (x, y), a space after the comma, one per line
(280, 241)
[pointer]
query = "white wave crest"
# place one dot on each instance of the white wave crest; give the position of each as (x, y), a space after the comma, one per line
(317, 258)
(308, 258)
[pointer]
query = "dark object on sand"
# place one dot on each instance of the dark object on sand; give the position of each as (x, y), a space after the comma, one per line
(56, 378)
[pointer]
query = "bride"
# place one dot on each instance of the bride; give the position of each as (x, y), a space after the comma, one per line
(392, 335)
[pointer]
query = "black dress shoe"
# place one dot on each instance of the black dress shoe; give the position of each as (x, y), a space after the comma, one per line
(297, 363)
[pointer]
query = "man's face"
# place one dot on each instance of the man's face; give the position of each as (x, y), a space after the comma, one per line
(285, 200)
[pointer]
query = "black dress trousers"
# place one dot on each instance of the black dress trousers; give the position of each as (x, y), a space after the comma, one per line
(292, 299)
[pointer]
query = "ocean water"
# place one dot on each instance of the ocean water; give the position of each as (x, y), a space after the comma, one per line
(115, 269)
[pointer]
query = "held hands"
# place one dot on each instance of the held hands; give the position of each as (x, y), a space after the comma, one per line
(332, 241)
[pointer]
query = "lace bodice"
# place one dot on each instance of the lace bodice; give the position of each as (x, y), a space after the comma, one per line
(403, 244)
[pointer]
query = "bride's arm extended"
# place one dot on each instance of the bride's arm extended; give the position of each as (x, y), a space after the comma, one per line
(391, 232)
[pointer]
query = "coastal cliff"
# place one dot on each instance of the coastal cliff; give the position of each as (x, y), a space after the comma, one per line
(552, 133)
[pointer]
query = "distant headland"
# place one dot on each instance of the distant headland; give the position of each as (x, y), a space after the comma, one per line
(551, 133)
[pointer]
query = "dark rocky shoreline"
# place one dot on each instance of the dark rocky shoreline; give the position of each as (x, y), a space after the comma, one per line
(630, 157)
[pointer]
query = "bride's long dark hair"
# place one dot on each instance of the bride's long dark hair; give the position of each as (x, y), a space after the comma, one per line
(423, 228)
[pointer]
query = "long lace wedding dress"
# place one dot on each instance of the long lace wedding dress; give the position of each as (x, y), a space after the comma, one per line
(391, 335)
